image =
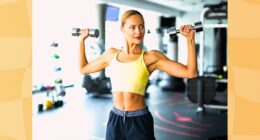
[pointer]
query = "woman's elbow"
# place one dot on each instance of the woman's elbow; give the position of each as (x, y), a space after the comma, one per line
(193, 74)
(83, 71)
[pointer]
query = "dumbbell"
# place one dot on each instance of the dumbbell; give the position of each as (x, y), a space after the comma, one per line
(40, 107)
(54, 44)
(92, 32)
(197, 26)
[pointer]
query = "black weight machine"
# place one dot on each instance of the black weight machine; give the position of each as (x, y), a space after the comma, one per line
(202, 90)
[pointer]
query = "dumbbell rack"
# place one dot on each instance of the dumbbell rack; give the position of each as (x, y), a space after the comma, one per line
(59, 91)
(51, 92)
(54, 94)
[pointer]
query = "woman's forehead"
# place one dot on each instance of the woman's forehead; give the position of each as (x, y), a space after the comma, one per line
(134, 19)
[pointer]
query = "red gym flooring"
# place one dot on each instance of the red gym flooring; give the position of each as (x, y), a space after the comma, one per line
(84, 117)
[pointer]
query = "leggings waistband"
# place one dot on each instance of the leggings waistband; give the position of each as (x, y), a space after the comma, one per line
(130, 113)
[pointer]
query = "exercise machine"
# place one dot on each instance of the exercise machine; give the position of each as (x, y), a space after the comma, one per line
(202, 90)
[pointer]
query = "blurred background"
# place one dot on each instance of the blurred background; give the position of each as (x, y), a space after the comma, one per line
(70, 106)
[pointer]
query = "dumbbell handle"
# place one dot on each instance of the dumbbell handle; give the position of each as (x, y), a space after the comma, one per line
(173, 31)
(92, 32)
(178, 30)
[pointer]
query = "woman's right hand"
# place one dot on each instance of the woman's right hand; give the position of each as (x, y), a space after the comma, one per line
(84, 33)
(187, 31)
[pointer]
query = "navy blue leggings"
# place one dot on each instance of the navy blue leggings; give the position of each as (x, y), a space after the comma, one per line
(130, 125)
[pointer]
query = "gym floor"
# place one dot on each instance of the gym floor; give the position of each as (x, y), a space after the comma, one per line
(84, 117)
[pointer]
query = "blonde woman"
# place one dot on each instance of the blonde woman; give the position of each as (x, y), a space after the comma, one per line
(130, 68)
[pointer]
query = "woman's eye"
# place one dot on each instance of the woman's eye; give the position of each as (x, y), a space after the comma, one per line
(131, 27)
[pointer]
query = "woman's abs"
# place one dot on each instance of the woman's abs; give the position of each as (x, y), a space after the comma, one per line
(128, 101)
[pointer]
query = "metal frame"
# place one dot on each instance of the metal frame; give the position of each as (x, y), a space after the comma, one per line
(201, 106)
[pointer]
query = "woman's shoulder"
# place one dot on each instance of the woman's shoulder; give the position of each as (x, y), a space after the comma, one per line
(110, 53)
(111, 50)
(153, 53)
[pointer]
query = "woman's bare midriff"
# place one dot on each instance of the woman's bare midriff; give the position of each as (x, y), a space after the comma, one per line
(128, 101)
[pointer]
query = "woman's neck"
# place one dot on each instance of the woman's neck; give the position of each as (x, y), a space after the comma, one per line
(132, 48)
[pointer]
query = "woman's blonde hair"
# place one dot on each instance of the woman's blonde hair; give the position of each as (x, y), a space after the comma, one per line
(129, 13)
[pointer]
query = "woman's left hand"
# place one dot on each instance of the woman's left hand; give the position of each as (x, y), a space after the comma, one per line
(187, 31)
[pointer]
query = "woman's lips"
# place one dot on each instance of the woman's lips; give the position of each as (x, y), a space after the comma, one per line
(138, 38)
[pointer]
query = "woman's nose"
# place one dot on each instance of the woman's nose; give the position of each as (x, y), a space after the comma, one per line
(138, 30)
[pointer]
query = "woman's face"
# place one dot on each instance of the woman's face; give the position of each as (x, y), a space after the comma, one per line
(134, 29)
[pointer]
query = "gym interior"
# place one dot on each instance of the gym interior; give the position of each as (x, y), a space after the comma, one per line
(70, 106)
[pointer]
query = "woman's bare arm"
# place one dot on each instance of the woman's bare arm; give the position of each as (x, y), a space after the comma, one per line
(177, 69)
(97, 64)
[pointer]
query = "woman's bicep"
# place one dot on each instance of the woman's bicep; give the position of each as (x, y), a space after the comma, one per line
(99, 63)
(95, 65)
(173, 68)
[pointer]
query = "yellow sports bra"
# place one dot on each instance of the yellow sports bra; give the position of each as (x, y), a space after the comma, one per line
(128, 76)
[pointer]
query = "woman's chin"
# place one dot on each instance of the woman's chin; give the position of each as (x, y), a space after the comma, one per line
(138, 42)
